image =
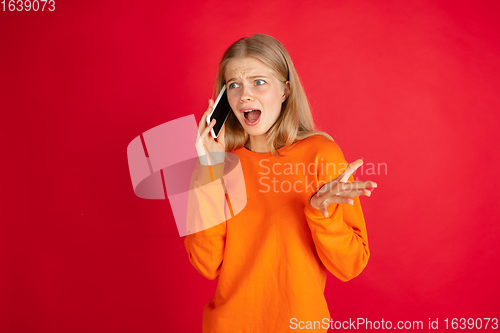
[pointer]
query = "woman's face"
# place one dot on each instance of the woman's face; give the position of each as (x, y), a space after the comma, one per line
(255, 94)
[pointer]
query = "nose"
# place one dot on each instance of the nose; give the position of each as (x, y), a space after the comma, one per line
(246, 93)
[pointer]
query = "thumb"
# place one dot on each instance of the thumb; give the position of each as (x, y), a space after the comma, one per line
(324, 209)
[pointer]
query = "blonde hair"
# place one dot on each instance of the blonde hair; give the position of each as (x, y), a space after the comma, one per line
(295, 121)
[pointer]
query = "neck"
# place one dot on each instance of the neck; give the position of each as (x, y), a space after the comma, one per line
(257, 144)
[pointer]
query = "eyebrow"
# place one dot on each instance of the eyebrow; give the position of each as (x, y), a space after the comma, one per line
(249, 77)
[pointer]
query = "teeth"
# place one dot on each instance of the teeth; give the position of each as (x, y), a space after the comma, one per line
(249, 111)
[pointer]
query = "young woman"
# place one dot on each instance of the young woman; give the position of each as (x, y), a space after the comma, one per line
(302, 215)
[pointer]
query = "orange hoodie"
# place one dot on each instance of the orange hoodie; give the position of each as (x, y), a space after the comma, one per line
(271, 258)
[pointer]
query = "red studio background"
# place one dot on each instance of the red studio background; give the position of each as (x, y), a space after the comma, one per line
(412, 86)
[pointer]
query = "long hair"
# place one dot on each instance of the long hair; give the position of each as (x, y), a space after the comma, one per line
(295, 121)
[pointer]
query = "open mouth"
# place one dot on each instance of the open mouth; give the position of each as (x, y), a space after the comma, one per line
(252, 115)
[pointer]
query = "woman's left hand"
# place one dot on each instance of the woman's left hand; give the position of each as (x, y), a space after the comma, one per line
(340, 191)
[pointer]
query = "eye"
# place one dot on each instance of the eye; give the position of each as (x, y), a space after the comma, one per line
(233, 85)
(259, 82)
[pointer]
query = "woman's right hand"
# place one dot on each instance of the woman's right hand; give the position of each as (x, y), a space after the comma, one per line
(206, 144)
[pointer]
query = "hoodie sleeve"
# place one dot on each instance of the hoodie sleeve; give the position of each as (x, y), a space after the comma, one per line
(205, 248)
(341, 239)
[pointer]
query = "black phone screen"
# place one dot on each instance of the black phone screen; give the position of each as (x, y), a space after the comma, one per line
(221, 112)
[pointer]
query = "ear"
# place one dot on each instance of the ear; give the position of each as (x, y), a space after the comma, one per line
(286, 91)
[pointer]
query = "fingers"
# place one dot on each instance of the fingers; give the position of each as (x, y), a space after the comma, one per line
(353, 186)
(203, 122)
(344, 196)
(355, 193)
(341, 196)
(347, 190)
(337, 200)
(336, 187)
(203, 129)
(330, 198)
(340, 191)
(323, 207)
(205, 144)
(353, 166)
(344, 176)
(208, 129)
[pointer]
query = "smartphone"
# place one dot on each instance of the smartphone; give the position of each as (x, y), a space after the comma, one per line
(220, 112)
